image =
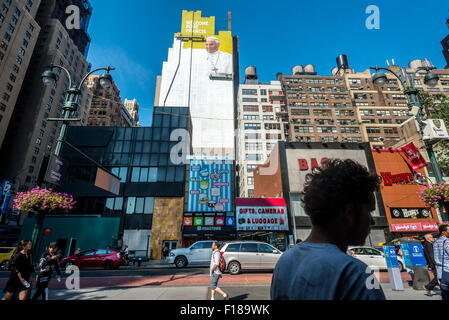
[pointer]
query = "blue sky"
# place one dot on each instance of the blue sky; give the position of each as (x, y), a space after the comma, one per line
(134, 36)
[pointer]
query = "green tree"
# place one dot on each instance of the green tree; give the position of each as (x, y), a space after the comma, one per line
(437, 107)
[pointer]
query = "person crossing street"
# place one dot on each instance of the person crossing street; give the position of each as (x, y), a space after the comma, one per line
(48, 262)
(215, 272)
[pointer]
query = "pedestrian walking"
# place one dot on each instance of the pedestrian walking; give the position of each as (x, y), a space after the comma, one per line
(126, 253)
(21, 267)
(215, 272)
(430, 259)
(441, 255)
(339, 199)
(47, 263)
(165, 252)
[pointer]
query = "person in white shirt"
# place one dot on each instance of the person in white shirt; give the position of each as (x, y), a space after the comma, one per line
(215, 273)
(220, 62)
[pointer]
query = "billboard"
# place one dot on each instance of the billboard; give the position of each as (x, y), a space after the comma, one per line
(210, 187)
(199, 74)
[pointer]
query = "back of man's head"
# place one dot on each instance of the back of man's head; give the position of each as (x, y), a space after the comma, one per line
(336, 186)
(442, 228)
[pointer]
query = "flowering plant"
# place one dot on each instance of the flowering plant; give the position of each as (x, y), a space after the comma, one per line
(435, 195)
(43, 200)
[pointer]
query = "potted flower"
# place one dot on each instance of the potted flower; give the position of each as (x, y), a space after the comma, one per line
(436, 195)
(42, 201)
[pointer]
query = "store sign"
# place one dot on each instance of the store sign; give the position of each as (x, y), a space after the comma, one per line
(304, 163)
(215, 223)
(414, 227)
(401, 178)
(391, 257)
(262, 218)
(407, 213)
(210, 187)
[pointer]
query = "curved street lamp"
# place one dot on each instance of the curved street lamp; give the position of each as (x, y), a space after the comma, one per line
(49, 79)
(430, 79)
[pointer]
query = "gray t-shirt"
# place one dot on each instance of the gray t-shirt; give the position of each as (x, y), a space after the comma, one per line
(319, 271)
(215, 260)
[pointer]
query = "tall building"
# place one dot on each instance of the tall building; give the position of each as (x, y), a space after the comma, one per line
(106, 108)
(445, 44)
(200, 73)
(133, 108)
(259, 126)
(30, 136)
(19, 31)
(318, 108)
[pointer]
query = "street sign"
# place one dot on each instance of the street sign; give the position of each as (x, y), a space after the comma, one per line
(391, 257)
(394, 273)
(55, 171)
(107, 181)
(417, 255)
(406, 255)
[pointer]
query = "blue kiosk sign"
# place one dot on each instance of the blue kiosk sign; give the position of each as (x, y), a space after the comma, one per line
(391, 257)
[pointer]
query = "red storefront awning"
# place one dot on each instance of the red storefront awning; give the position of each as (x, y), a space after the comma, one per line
(260, 202)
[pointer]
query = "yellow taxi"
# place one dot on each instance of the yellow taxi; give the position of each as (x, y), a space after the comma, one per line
(5, 255)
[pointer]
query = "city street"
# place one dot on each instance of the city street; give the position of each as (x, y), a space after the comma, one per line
(169, 283)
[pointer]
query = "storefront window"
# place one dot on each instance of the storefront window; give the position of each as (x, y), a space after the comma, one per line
(296, 204)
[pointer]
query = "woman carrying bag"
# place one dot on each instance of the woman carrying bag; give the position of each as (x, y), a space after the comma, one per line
(22, 269)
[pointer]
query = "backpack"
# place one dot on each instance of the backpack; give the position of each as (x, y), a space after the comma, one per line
(222, 264)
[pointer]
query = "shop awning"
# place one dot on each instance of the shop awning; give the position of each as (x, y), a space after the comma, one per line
(260, 202)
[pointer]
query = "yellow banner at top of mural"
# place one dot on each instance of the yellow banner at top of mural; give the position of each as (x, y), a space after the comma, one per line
(196, 29)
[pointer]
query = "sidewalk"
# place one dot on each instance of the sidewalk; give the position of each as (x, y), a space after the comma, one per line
(152, 264)
(236, 292)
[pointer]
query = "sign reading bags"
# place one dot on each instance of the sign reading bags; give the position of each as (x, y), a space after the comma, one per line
(261, 214)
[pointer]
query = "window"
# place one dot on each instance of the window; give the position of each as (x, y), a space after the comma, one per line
(251, 167)
(253, 157)
(272, 126)
(267, 109)
(249, 247)
(303, 129)
(233, 247)
(11, 28)
(14, 19)
(249, 92)
(9, 87)
(265, 248)
(12, 77)
(255, 136)
(263, 92)
(250, 181)
(251, 108)
(252, 126)
(21, 51)
(19, 60)
(131, 205)
(7, 36)
(31, 27)
(6, 97)
(249, 99)
(28, 35)
(253, 146)
(16, 69)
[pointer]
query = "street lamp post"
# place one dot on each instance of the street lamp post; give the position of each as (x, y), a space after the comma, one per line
(431, 79)
(49, 79)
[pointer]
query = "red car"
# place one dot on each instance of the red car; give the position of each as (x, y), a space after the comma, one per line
(95, 258)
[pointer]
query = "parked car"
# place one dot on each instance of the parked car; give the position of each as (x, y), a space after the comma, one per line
(198, 254)
(95, 258)
(247, 255)
(374, 258)
(5, 256)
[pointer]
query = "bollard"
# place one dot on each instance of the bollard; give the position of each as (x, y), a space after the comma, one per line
(420, 278)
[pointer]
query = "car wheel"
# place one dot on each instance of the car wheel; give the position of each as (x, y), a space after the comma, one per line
(234, 268)
(401, 266)
(180, 262)
(108, 265)
(3, 265)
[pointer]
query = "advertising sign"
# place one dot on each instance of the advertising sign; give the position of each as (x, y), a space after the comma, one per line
(417, 255)
(435, 130)
(210, 187)
(411, 213)
(199, 73)
(414, 227)
(414, 157)
(406, 255)
(56, 170)
(261, 214)
(5, 196)
(202, 223)
(391, 257)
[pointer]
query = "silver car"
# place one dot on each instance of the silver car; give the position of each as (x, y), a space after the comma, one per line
(198, 254)
(249, 255)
